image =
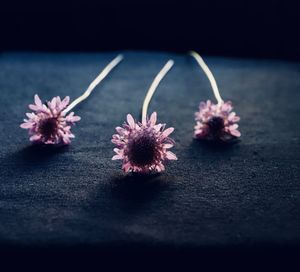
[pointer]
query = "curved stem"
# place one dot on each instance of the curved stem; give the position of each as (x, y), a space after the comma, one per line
(209, 75)
(154, 86)
(95, 82)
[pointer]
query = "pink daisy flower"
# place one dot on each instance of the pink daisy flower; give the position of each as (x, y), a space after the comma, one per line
(48, 123)
(216, 121)
(143, 147)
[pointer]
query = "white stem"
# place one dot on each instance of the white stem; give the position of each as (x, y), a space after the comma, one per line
(209, 75)
(154, 86)
(95, 82)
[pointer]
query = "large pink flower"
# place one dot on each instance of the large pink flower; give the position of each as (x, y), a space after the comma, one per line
(143, 147)
(216, 121)
(48, 123)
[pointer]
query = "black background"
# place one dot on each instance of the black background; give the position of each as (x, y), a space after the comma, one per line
(256, 28)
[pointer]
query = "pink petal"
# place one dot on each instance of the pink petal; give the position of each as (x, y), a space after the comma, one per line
(227, 106)
(117, 157)
(158, 127)
(26, 125)
(65, 101)
(58, 100)
(121, 130)
(168, 146)
(33, 107)
(37, 100)
(234, 126)
(235, 133)
(71, 118)
(50, 142)
(119, 151)
(160, 167)
(76, 118)
(202, 105)
(169, 141)
(231, 116)
(171, 156)
(35, 138)
(167, 132)
(30, 115)
(130, 121)
(153, 118)
(117, 142)
(236, 119)
(66, 140)
(53, 101)
(126, 167)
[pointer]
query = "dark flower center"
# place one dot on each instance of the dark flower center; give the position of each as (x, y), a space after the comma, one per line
(48, 127)
(142, 150)
(215, 124)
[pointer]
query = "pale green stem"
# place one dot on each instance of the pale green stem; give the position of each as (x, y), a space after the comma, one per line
(154, 86)
(95, 82)
(209, 75)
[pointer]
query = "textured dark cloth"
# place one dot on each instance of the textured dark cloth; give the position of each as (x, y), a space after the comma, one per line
(239, 196)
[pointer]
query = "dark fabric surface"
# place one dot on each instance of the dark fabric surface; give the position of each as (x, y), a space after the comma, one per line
(244, 195)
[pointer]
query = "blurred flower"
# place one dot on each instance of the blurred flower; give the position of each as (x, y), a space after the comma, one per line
(216, 121)
(143, 147)
(48, 123)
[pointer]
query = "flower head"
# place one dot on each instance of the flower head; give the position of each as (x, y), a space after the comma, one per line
(216, 121)
(48, 123)
(143, 147)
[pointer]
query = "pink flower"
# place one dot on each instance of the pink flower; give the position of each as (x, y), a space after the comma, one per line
(48, 123)
(143, 147)
(216, 121)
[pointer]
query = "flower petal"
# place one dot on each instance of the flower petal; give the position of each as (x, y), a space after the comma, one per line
(33, 107)
(37, 100)
(53, 102)
(153, 118)
(72, 118)
(117, 157)
(167, 132)
(35, 138)
(234, 126)
(171, 156)
(235, 133)
(26, 125)
(30, 115)
(130, 121)
(65, 102)
(160, 167)
(158, 127)
(126, 167)
(167, 146)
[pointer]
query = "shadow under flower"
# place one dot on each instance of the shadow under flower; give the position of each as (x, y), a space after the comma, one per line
(31, 157)
(215, 146)
(135, 190)
(39, 152)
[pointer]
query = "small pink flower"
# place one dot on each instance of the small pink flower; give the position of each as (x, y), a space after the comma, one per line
(216, 121)
(48, 123)
(143, 147)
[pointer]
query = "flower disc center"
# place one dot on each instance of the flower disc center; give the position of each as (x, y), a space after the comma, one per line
(216, 124)
(48, 127)
(142, 150)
